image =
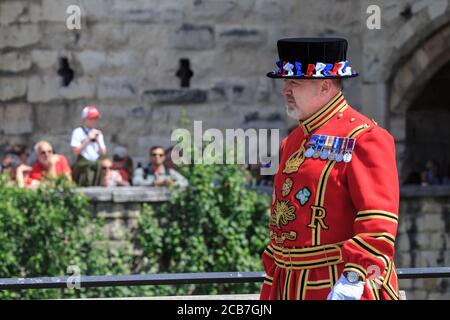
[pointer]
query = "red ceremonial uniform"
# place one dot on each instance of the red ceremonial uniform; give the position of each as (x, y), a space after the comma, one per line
(327, 216)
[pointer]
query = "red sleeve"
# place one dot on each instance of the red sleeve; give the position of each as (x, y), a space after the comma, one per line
(63, 166)
(124, 175)
(36, 172)
(373, 182)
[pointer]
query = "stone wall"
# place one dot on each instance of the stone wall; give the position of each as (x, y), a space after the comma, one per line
(125, 57)
(423, 238)
(422, 241)
(120, 208)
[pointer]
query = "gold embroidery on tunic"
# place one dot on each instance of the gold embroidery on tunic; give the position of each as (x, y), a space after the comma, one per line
(282, 214)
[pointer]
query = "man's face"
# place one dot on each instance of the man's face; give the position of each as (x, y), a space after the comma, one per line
(106, 166)
(45, 152)
(91, 123)
(302, 97)
(157, 157)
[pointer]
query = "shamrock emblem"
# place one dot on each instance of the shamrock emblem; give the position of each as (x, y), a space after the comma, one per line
(303, 196)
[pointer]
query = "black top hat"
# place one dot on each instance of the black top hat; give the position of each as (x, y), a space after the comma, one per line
(312, 58)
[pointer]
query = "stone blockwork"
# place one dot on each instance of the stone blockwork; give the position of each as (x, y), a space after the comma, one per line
(127, 53)
(422, 240)
(120, 209)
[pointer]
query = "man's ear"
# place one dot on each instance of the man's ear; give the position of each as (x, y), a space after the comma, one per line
(326, 86)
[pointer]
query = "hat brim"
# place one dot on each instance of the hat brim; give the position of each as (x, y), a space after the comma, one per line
(93, 117)
(274, 76)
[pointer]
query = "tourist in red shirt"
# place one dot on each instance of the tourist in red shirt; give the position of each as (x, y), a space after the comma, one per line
(49, 164)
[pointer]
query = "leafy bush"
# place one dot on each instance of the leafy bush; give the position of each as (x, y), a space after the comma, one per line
(43, 232)
(217, 224)
(214, 225)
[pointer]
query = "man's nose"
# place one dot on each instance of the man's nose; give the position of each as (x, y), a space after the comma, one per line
(287, 89)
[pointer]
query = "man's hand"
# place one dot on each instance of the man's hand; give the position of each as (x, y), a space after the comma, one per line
(169, 182)
(23, 168)
(97, 134)
(93, 134)
(160, 183)
(53, 159)
(20, 170)
(345, 290)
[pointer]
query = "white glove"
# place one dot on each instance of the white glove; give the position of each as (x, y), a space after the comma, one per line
(345, 290)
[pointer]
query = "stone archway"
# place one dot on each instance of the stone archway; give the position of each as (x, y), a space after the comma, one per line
(427, 131)
(408, 83)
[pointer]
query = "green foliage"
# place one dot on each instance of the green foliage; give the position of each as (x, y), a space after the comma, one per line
(217, 224)
(43, 232)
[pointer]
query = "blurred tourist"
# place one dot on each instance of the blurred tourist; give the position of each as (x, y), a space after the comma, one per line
(157, 174)
(19, 150)
(111, 177)
(430, 176)
(49, 164)
(123, 163)
(16, 172)
(88, 146)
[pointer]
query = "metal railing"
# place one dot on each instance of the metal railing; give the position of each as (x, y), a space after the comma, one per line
(179, 279)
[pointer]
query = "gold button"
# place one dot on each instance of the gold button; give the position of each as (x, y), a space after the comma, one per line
(352, 120)
(340, 114)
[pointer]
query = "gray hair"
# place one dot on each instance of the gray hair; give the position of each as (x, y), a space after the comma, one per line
(38, 145)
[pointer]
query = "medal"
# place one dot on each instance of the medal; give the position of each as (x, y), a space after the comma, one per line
(331, 156)
(332, 148)
(336, 145)
(311, 145)
(319, 147)
(340, 155)
(347, 157)
(348, 150)
(327, 147)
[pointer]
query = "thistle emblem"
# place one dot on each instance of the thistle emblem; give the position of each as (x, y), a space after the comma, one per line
(282, 214)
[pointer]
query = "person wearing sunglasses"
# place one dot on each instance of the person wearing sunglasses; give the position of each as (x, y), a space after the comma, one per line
(49, 164)
(111, 176)
(157, 174)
